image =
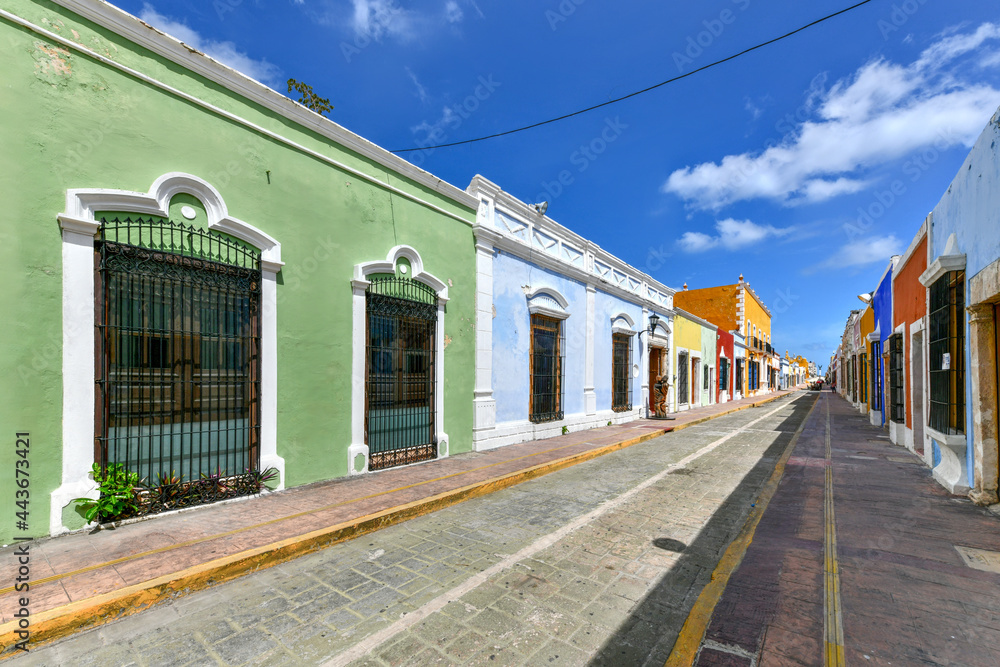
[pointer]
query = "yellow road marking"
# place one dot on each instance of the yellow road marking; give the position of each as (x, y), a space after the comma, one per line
(693, 632)
(235, 531)
(833, 620)
(59, 622)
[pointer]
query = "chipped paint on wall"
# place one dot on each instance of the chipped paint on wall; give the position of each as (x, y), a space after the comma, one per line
(52, 63)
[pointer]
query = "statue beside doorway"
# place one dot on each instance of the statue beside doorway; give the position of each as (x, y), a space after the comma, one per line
(660, 388)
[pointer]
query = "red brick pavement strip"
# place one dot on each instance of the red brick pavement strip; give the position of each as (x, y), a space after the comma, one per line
(84, 565)
(907, 596)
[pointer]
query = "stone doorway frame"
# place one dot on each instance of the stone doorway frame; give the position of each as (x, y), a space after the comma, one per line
(984, 294)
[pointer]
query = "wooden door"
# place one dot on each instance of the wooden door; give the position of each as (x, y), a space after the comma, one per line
(655, 368)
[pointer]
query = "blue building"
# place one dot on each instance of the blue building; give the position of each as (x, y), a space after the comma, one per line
(557, 327)
(878, 344)
(963, 292)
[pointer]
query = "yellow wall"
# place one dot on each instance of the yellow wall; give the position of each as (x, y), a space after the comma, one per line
(687, 334)
(864, 374)
(755, 314)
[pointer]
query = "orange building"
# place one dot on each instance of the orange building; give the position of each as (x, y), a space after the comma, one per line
(736, 308)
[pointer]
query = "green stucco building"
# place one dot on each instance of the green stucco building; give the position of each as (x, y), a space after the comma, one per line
(204, 277)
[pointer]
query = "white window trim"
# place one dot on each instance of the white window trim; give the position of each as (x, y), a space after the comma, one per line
(79, 226)
(622, 324)
(949, 260)
(537, 303)
(360, 285)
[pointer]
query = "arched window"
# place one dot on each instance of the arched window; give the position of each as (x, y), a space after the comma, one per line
(400, 379)
(178, 360)
(547, 309)
(397, 404)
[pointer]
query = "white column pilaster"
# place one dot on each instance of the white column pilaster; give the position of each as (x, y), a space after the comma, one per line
(485, 406)
(269, 371)
(589, 394)
(644, 360)
(358, 319)
(78, 368)
(442, 436)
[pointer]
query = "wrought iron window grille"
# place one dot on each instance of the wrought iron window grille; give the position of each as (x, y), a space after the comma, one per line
(897, 412)
(546, 370)
(876, 376)
(400, 379)
(177, 313)
(621, 373)
(946, 351)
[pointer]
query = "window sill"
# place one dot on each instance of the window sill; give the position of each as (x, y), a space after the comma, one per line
(957, 440)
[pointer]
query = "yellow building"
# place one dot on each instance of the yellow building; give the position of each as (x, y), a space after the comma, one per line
(864, 360)
(695, 358)
(736, 308)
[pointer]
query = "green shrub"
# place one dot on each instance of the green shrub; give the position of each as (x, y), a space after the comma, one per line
(117, 487)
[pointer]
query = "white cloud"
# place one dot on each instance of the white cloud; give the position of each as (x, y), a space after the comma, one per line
(452, 12)
(696, 242)
(421, 91)
(953, 46)
(431, 133)
(865, 251)
(731, 235)
(881, 113)
(378, 18)
(225, 52)
(754, 110)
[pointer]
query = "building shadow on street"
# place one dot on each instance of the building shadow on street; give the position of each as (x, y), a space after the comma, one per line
(648, 635)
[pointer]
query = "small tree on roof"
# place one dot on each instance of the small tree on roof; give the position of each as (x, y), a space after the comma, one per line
(308, 98)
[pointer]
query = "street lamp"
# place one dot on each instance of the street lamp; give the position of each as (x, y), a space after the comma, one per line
(653, 321)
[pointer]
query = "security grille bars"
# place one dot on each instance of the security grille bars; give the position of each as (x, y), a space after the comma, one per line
(400, 381)
(178, 360)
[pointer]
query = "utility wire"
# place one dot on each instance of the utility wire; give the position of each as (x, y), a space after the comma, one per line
(638, 92)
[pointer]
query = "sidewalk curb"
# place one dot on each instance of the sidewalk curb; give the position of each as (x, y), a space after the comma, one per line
(54, 624)
(692, 633)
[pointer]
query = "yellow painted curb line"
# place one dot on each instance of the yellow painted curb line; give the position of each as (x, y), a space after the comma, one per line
(689, 640)
(833, 619)
(60, 622)
(54, 624)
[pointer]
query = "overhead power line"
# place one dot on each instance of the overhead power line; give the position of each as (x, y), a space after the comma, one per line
(639, 92)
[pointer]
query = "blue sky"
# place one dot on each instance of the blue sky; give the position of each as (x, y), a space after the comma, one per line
(765, 165)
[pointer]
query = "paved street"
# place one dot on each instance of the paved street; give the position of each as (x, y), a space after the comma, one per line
(598, 563)
(917, 571)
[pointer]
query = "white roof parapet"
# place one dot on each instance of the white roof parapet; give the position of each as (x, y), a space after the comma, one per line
(137, 31)
(519, 228)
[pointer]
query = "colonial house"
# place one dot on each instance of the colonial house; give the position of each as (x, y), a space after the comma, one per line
(737, 308)
(739, 364)
(209, 282)
(931, 331)
(696, 357)
(906, 355)
(878, 344)
(725, 358)
(568, 336)
(963, 305)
